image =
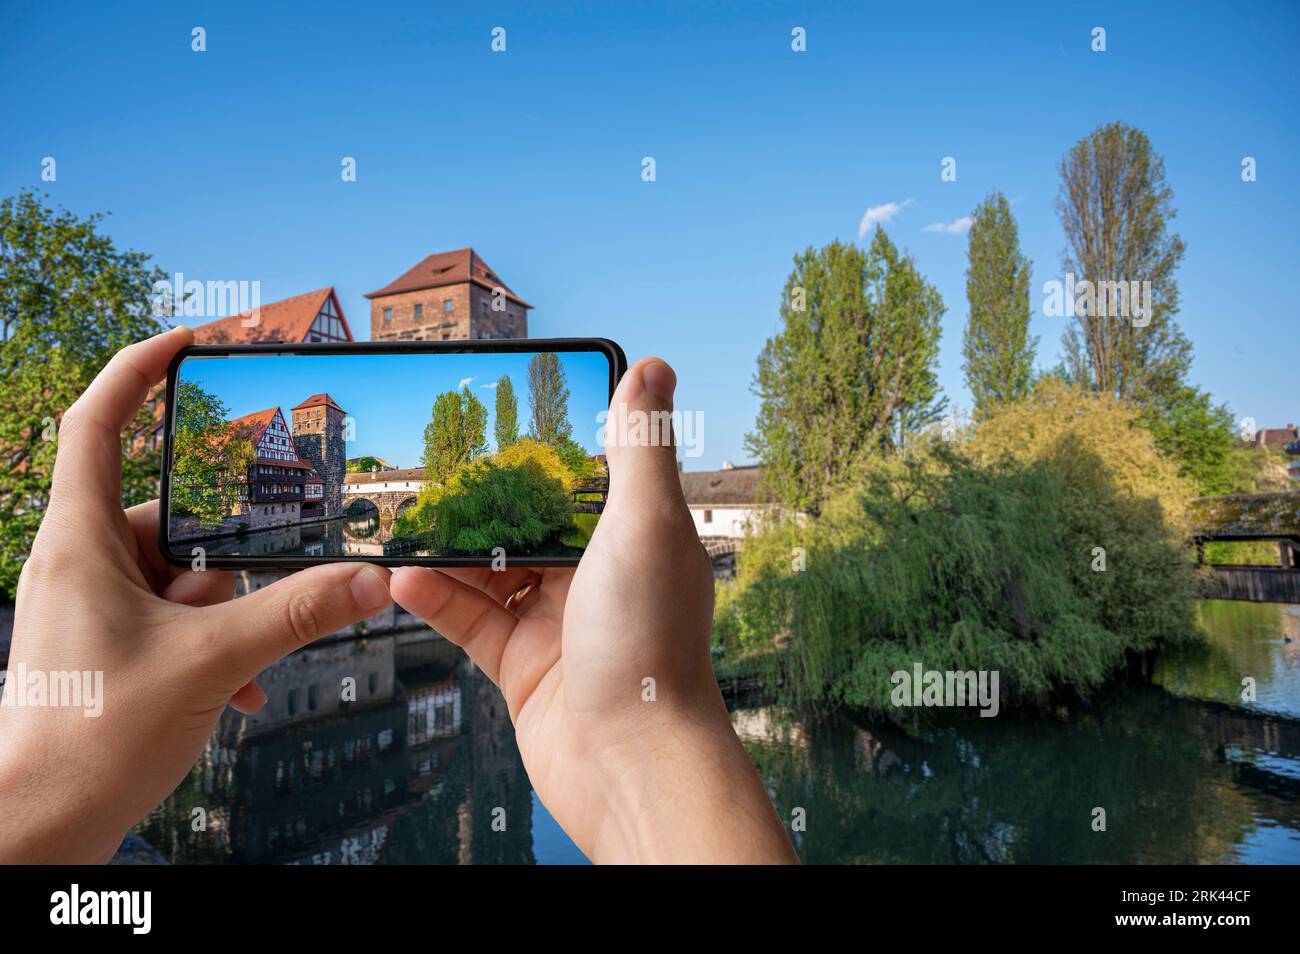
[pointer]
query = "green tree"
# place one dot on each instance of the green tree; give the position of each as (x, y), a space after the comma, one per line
(517, 498)
(1201, 438)
(549, 395)
(851, 373)
(506, 424)
(1115, 207)
(364, 465)
(997, 345)
(211, 456)
(978, 556)
(456, 435)
(69, 299)
(576, 458)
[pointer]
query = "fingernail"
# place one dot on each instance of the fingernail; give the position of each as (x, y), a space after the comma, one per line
(370, 589)
(659, 379)
(183, 331)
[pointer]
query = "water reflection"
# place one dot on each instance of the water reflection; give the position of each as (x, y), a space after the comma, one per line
(356, 534)
(422, 768)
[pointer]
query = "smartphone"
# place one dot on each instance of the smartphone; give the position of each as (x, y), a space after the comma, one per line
(452, 453)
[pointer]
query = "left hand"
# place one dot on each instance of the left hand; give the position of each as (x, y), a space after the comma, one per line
(95, 596)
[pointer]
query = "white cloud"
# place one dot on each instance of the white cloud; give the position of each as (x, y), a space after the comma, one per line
(489, 387)
(880, 215)
(463, 382)
(955, 227)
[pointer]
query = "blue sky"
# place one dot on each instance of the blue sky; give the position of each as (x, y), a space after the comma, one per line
(390, 397)
(225, 165)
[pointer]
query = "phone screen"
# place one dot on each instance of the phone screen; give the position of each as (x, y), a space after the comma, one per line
(443, 456)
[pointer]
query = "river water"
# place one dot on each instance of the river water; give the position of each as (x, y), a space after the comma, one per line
(422, 769)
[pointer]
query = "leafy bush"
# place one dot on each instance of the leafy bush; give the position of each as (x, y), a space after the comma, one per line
(983, 559)
(515, 499)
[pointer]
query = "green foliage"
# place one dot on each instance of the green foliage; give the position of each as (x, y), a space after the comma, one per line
(1115, 207)
(506, 423)
(1200, 436)
(1106, 427)
(515, 499)
(851, 372)
(576, 459)
(456, 435)
(584, 525)
(69, 299)
(997, 346)
(211, 456)
(549, 395)
(1242, 553)
(363, 465)
(960, 566)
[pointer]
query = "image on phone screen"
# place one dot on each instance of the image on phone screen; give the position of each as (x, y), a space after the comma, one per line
(455, 455)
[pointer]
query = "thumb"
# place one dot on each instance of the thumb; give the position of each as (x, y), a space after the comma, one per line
(639, 438)
(258, 629)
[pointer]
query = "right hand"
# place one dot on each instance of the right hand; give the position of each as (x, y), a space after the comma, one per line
(630, 773)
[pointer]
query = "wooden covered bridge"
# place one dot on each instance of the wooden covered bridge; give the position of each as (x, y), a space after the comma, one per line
(1274, 518)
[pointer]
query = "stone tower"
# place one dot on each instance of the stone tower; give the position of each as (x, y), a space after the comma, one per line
(318, 425)
(447, 296)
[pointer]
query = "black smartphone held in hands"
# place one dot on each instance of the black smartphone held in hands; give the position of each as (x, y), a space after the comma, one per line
(454, 453)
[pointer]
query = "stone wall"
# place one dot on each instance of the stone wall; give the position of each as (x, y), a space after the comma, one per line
(471, 315)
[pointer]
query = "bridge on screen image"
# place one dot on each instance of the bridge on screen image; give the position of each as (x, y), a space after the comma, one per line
(393, 492)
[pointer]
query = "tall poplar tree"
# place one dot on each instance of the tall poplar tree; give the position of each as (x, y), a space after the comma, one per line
(505, 425)
(1115, 207)
(997, 346)
(549, 395)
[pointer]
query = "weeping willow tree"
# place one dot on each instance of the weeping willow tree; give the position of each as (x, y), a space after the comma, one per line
(1046, 563)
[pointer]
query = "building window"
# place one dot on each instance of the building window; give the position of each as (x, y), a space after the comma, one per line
(388, 316)
(419, 312)
(311, 698)
(708, 516)
(293, 701)
(448, 306)
(373, 682)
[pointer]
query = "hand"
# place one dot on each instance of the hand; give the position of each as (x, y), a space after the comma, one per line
(96, 596)
(629, 779)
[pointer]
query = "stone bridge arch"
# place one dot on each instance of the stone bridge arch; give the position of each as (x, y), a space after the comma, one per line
(721, 552)
(389, 504)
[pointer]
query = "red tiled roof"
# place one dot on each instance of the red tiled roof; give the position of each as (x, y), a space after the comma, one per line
(257, 423)
(285, 321)
(318, 400)
(449, 268)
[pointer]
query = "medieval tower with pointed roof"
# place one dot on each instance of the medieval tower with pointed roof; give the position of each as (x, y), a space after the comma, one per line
(447, 296)
(319, 432)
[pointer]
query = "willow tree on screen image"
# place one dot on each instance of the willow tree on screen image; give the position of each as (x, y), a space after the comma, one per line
(211, 457)
(851, 373)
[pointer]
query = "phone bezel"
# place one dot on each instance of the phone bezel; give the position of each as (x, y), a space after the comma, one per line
(611, 350)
